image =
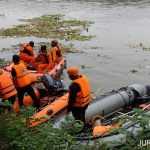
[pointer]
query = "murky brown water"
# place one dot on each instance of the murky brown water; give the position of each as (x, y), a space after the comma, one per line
(118, 24)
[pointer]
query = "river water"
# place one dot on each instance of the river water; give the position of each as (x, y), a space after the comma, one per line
(109, 57)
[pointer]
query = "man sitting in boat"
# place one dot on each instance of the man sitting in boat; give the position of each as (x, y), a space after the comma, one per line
(79, 94)
(43, 61)
(99, 129)
(56, 51)
(27, 52)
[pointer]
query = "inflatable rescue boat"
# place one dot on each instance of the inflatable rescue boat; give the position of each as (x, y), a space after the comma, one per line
(103, 105)
(111, 106)
(35, 76)
(48, 91)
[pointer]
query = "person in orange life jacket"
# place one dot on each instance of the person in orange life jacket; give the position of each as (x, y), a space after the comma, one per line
(99, 129)
(43, 61)
(27, 52)
(22, 81)
(79, 94)
(56, 51)
(7, 88)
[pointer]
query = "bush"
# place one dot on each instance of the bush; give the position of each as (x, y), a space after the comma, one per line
(17, 135)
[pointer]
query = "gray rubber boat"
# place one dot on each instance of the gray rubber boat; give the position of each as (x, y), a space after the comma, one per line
(114, 103)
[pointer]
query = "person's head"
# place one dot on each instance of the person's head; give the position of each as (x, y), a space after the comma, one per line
(16, 58)
(54, 43)
(43, 49)
(73, 72)
(31, 43)
(1, 71)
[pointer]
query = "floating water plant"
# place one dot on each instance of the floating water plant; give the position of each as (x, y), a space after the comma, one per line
(141, 46)
(133, 71)
(50, 26)
(3, 62)
(66, 48)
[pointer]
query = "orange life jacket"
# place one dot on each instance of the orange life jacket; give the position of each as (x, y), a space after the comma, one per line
(7, 88)
(98, 130)
(45, 59)
(27, 49)
(22, 78)
(101, 130)
(83, 97)
(56, 54)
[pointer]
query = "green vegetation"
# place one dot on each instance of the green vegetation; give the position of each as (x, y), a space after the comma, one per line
(133, 71)
(141, 46)
(140, 120)
(50, 26)
(16, 134)
(3, 62)
(66, 48)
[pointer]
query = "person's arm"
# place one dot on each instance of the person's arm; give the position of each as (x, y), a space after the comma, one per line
(13, 72)
(54, 54)
(74, 88)
(37, 58)
(31, 51)
(50, 62)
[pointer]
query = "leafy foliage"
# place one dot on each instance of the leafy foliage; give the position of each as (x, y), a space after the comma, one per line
(17, 135)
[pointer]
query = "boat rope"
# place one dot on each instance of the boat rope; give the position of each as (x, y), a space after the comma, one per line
(122, 98)
(142, 109)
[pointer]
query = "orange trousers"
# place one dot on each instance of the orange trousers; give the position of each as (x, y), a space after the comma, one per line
(58, 59)
(42, 67)
(26, 58)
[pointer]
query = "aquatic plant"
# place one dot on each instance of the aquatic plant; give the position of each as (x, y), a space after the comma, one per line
(50, 26)
(66, 48)
(3, 62)
(141, 46)
(133, 71)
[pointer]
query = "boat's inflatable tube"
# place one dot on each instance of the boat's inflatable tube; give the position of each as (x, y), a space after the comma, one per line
(36, 76)
(54, 73)
(107, 104)
(27, 101)
(114, 101)
(53, 110)
(103, 105)
(111, 102)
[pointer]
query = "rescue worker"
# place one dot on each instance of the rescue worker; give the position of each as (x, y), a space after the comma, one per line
(43, 61)
(27, 52)
(79, 94)
(56, 51)
(99, 129)
(22, 81)
(7, 88)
